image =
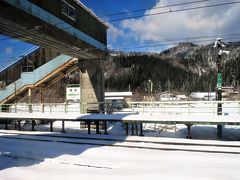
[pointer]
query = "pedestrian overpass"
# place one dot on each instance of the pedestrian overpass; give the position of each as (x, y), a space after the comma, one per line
(66, 26)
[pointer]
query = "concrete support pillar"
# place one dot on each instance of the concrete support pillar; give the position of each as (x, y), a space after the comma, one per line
(30, 100)
(91, 83)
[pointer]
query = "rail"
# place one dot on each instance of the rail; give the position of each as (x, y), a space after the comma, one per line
(185, 107)
(161, 108)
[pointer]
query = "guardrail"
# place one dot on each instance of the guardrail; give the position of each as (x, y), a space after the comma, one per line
(46, 107)
(164, 108)
(186, 107)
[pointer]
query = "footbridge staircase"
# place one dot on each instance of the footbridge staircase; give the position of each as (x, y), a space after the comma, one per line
(43, 76)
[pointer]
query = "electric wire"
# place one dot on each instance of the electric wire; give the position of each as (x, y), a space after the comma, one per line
(213, 5)
(158, 7)
(133, 17)
(194, 39)
(174, 43)
(178, 10)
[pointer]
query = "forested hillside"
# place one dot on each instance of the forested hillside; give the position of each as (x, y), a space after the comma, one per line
(184, 68)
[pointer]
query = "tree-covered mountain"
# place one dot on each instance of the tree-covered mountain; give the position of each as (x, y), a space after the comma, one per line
(184, 68)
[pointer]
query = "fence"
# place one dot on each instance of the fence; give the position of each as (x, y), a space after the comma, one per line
(164, 108)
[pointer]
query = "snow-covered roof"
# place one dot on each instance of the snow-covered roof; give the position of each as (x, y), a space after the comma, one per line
(117, 94)
(202, 94)
(114, 98)
(181, 96)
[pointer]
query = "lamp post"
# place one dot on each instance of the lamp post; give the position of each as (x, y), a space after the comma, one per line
(219, 45)
(151, 87)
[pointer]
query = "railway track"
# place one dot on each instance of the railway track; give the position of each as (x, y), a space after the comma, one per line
(144, 143)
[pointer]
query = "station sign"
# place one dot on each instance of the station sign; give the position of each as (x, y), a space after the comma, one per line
(73, 92)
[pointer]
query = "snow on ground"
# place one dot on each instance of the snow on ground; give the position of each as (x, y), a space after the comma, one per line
(32, 160)
(230, 133)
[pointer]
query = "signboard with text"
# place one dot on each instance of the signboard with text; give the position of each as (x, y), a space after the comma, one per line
(73, 93)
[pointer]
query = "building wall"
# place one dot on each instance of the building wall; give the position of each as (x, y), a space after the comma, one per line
(84, 21)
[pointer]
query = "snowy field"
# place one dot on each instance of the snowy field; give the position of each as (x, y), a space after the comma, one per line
(31, 160)
(207, 132)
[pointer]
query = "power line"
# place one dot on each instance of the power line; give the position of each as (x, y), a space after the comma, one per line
(195, 39)
(158, 7)
(178, 10)
(178, 39)
(174, 43)
(175, 40)
(133, 17)
(70, 27)
(198, 37)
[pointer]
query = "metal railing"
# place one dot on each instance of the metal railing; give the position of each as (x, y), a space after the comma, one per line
(162, 108)
(185, 107)
(46, 107)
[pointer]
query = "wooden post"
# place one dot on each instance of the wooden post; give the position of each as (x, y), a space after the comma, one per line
(33, 125)
(19, 125)
(63, 126)
(89, 127)
(126, 128)
(105, 127)
(132, 129)
(141, 130)
(97, 127)
(51, 126)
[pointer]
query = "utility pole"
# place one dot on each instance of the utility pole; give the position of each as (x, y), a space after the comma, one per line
(219, 45)
(151, 88)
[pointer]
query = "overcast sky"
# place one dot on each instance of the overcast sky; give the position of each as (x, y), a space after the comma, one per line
(163, 30)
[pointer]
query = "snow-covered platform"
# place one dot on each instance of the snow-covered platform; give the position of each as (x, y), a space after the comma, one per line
(135, 120)
(128, 118)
